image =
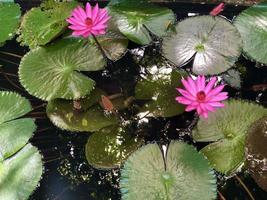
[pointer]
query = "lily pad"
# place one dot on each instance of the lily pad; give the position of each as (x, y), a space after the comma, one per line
(41, 25)
(136, 19)
(212, 42)
(251, 24)
(160, 90)
(256, 152)
(181, 173)
(233, 78)
(54, 71)
(9, 20)
(89, 118)
(110, 147)
(227, 129)
(20, 163)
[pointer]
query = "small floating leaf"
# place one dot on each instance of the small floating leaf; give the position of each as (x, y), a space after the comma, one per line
(110, 147)
(9, 20)
(89, 118)
(160, 90)
(256, 152)
(227, 128)
(251, 24)
(20, 163)
(54, 71)
(145, 176)
(213, 42)
(135, 19)
(41, 25)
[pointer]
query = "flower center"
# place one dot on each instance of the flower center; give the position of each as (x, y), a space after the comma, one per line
(88, 21)
(201, 96)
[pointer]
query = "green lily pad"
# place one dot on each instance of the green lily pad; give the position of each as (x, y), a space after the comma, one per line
(54, 71)
(233, 78)
(135, 19)
(256, 152)
(110, 147)
(20, 163)
(89, 118)
(41, 25)
(181, 173)
(251, 24)
(212, 42)
(9, 20)
(160, 89)
(227, 129)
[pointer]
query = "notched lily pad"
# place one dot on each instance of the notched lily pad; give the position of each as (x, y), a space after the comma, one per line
(20, 163)
(54, 71)
(9, 20)
(136, 19)
(171, 176)
(159, 89)
(256, 152)
(212, 42)
(251, 24)
(91, 117)
(110, 147)
(41, 25)
(227, 129)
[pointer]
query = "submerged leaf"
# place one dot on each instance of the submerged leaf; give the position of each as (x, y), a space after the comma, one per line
(54, 71)
(160, 90)
(147, 174)
(256, 152)
(41, 25)
(9, 20)
(213, 43)
(227, 128)
(251, 24)
(110, 147)
(136, 19)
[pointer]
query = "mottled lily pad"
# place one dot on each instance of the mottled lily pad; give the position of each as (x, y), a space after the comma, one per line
(136, 19)
(181, 173)
(251, 24)
(256, 152)
(54, 71)
(41, 25)
(233, 78)
(9, 20)
(160, 90)
(20, 163)
(91, 117)
(212, 42)
(110, 147)
(227, 129)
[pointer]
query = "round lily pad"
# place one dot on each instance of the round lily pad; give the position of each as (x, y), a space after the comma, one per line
(256, 152)
(227, 129)
(136, 19)
(20, 163)
(9, 20)
(41, 25)
(212, 42)
(91, 117)
(251, 24)
(54, 71)
(160, 90)
(181, 173)
(110, 147)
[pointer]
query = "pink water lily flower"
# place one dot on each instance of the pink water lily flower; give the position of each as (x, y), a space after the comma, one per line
(201, 97)
(88, 21)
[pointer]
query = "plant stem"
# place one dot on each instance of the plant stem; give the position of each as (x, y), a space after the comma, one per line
(221, 196)
(11, 54)
(245, 187)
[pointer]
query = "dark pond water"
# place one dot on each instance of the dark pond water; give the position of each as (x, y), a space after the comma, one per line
(67, 175)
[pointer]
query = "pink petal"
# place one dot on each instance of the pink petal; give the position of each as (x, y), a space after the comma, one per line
(216, 104)
(190, 108)
(210, 85)
(95, 12)
(188, 87)
(103, 13)
(79, 13)
(88, 10)
(200, 83)
(209, 108)
(215, 91)
(220, 97)
(75, 21)
(186, 94)
(183, 100)
(192, 85)
(204, 114)
(99, 27)
(76, 27)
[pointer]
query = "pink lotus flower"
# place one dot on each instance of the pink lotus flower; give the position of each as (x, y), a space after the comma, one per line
(201, 97)
(88, 21)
